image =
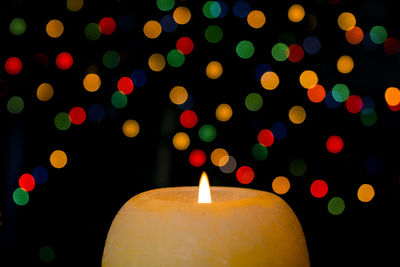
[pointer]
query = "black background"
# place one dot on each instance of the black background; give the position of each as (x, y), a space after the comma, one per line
(73, 210)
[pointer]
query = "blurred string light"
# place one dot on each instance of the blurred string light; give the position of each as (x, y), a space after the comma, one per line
(207, 133)
(219, 157)
(365, 193)
(269, 80)
(245, 174)
(64, 61)
(125, 85)
(107, 25)
(168, 23)
(212, 9)
(130, 128)
(345, 64)
(297, 167)
(74, 5)
(26, 182)
(188, 119)
(156, 62)
(316, 94)
(213, 34)
(54, 28)
(77, 115)
(13, 65)
(346, 21)
(245, 49)
(297, 114)
(259, 152)
(281, 185)
(175, 58)
(197, 158)
(296, 13)
(15, 105)
(181, 141)
(119, 100)
(178, 95)
(40, 174)
(308, 79)
(111, 59)
(223, 112)
(241, 9)
(44, 92)
(17, 26)
(62, 121)
(256, 19)
(92, 82)
(319, 188)
(182, 15)
(230, 166)
(280, 52)
(214, 70)
(355, 35)
(336, 205)
(92, 31)
(58, 159)
(334, 144)
(46, 254)
(165, 5)
(253, 101)
(96, 112)
(265, 137)
(152, 29)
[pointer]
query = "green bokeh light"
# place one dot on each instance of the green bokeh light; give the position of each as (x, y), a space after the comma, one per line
(340, 92)
(119, 100)
(46, 254)
(175, 58)
(378, 34)
(165, 5)
(245, 49)
(92, 31)
(298, 167)
(17, 26)
(212, 9)
(20, 197)
(213, 34)
(207, 133)
(259, 152)
(62, 121)
(280, 52)
(111, 59)
(253, 102)
(15, 105)
(336, 205)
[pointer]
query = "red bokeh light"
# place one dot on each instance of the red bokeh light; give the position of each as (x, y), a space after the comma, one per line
(245, 175)
(64, 61)
(265, 137)
(319, 188)
(197, 158)
(354, 104)
(188, 119)
(185, 45)
(125, 85)
(107, 26)
(391, 46)
(77, 115)
(26, 182)
(13, 65)
(394, 108)
(334, 144)
(296, 53)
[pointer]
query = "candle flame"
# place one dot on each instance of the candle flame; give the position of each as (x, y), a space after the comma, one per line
(204, 189)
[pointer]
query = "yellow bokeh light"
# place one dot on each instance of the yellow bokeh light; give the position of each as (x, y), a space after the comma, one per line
(181, 141)
(392, 96)
(214, 70)
(297, 114)
(74, 5)
(346, 21)
(223, 112)
(296, 13)
(281, 185)
(365, 193)
(219, 157)
(156, 62)
(58, 159)
(54, 28)
(308, 79)
(130, 128)
(269, 80)
(345, 64)
(152, 29)
(92, 82)
(178, 95)
(256, 19)
(182, 15)
(44, 92)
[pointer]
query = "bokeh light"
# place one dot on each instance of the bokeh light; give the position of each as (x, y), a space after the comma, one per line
(256, 19)
(223, 112)
(219, 157)
(46, 254)
(152, 29)
(241, 9)
(197, 158)
(366, 193)
(156, 62)
(77, 115)
(296, 13)
(26, 182)
(212, 9)
(17, 26)
(259, 152)
(54, 28)
(74, 5)
(119, 100)
(15, 105)
(107, 25)
(175, 58)
(185, 45)
(125, 85)
(214, 70)
(64, 61)
(336, 205)
(96, 112)
(354, 104)
(297, 114)
(40, 174)
(253, 101)
(308, 79)
(391, 46)
(165, 5)
(355, 35)
(392, 96)
(316, 94)
(178, 95)
(182, 15)
(311, 45)
(213, 34)
(44, 92)
(334, 144)
(245, 174)
(20, 197)
(346, 21)
(265, 137)
(92, 82)
(168, 23)
(340, 92)
(245, 49)
(181, 141)
(62, 121)
(188, 119)
(279, 130)
(280, 52)
(13, 65)
(281, 185)
(58, 159)
(92, 31)
(269, 80)
(296, 53)
(130, 128)
(297, 167)
(319, 188)
(230, 166)
(111, 59)
(207, 133)
(345, 64)
(378, 34)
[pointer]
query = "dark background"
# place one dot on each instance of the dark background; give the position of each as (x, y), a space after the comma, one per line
(72, 211)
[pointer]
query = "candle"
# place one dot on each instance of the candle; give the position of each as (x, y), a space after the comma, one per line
(177, 226)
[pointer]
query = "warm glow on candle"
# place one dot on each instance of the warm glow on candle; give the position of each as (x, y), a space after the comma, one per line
(204, 189)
